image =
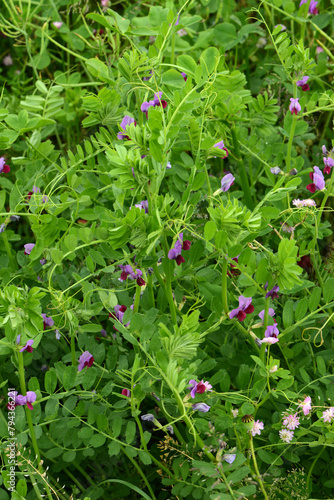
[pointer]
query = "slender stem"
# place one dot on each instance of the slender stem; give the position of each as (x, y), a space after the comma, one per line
(150, 290)
(9, 252)
(292, 133)
(242, 170)
(224, 286)
(137, 299)
(256, 467)
(29, 420)
(140, 472)
(74, 360)
(169, 291)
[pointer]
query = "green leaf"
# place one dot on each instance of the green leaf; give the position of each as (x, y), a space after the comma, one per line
(210, 229)
(50, 381)
(314, 299)
(329, 290)
(210, 58)
(187, 64)
(225, 34)
(301, 309)
(99, 70)
(57, 256)
(130, 431)
(173, 78)
(288, 314)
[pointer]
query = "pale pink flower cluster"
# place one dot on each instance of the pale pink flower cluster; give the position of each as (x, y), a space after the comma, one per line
(235, 413)
(286, 436)
(291, 422)
(328, 415)
(257, 428)
(304, 203)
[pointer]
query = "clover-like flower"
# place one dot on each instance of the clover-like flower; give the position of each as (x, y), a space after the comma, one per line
(306, 405)
(291, 422)
(86, 360)
(286, 435)
(257, 428)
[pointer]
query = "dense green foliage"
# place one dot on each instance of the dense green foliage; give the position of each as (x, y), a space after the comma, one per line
(154, 172)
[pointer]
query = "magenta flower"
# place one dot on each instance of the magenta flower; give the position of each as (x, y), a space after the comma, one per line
(257, 428)
(57, 24)
(128, 272)
(201, 407)
(184, 76)
(47, 321)
(175, 252)
(245, 307)
(312, 7)
(291, 422)
(119, 313)
(157, 101)
(127, 120)
(28, 248)
(318, 180)
(86, 359)
(28, 347)
(227, 182)
(318, 50)
(329, 163)
(271, 313)
(4, 169)
(303, 83)
(198, 387)
(306, 405)
(126, 392)
(294, 107)
(270, 335)
(221, 145)
(273, 292)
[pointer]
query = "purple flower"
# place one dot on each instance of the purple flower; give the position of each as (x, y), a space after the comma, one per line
(175, 252)
(168, 166)
(28, 248)
(3, 167)
(149, 417)
(157, 101)
(2, 227)
(29, 398)
(14, 218)
(86, 359)
(283, 27)
(127, 120)
(221, 145)
(318, 180)
(58, 336)
(143, 205)
(119, 314)
(275, 170)
(273, 292)
(104, 333)
(28, 347)
(312, 7)
(128, 272)
(18, 338)
(201, 407)
(324, 150)
(271, 313)
(271, 335)
(184, 76)
(227, 182)
(303, 83)
(42, 262)
(47, 321)
(294, 107)
(229, 457)
(245, 307)
(329, 163)
(198, 387)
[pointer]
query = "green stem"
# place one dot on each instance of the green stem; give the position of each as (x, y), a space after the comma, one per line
(292, 133)
(150, 290)
(140, 472)
(224, 286)
(9, 252)
(74, 360)
(30, 424)
(137, 299)
(242, 171)
(169, 272)
(256, 467)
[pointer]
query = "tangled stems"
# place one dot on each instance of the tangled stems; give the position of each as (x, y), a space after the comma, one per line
(30, 424)
(258, 477)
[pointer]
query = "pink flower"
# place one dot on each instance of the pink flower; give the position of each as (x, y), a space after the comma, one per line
(28, 347)
(198, 387)
(271, 335)
(126, 392)
(86, 359)
(329, 163)
(294, 107)
(286, 436)
(57, 24)
(306, 405)
(7, 61)
(257, 428)
(304, 203)
(291, 422)
(328, 415)
(303, 83)
(4, 169)
(29, 398)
